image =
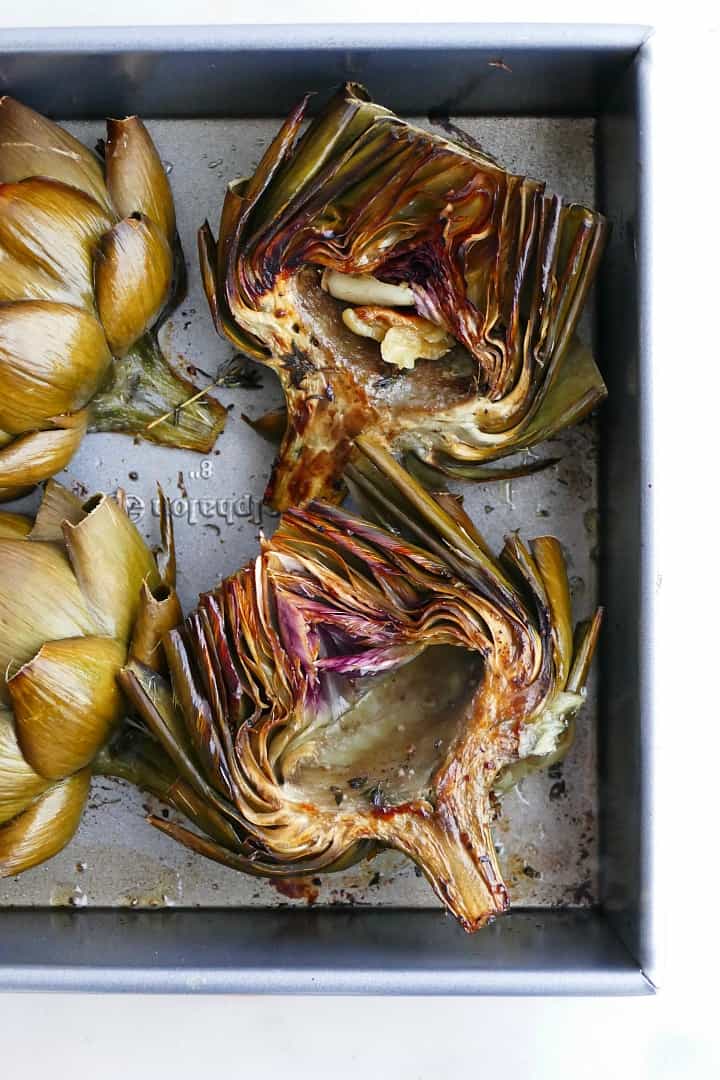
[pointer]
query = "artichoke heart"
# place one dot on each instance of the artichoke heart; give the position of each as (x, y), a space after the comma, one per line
(80, 593)
(406, 287)
(90, 261)
(369, 683)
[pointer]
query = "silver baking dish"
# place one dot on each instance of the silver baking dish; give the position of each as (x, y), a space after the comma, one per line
(569, 105)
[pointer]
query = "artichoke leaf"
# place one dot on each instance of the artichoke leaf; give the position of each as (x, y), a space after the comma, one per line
(159, 613)
(39, 601)
(141, 761)
(53, 359)
(66, 703)
(45, 827)
(32, 145)
(10, 494)
(133, 276)
(136, 178)
(19, 783)
(550, 562)
(48, 236)
(14, 526)
(152, 696)
(58, 505)
(32, 458)
(219, 309)
(111, 563)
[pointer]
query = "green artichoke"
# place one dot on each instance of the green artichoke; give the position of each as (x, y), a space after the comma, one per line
(404, 286)
(364, 685)
(80, 592)
(89, 262)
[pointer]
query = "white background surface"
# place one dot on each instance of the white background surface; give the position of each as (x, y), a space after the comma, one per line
(676, 1033)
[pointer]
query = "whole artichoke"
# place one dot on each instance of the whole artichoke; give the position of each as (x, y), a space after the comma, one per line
(367, 685)
(404, 286)
(89, 261)
(79, 592)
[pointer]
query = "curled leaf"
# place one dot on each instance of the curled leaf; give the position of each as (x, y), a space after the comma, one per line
(111, 562)
(159, 613)
(58, 506)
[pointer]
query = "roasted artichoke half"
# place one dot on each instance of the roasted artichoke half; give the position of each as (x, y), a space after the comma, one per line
(89, 262)
(370, 683)
(404, 286)
(79, 592)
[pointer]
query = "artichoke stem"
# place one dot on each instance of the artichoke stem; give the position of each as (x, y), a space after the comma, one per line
(140, 761)
(461, 868)
(144, 387)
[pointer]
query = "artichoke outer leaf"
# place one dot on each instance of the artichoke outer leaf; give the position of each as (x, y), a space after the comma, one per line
(48, 235)
(45, 827)
(14, 526)
(34, 457)
(159, 613)
(53, 359)
(40, 601)
(66, 703)
(135, 175)
(32, 145)
(10, 494)
(152, 697)
(133, 276)
(222, 319)
(19, 783)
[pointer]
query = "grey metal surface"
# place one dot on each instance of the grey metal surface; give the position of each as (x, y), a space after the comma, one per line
(259, 70)
(329, 952)
(628, 571)
(547, 832)
(571, 70)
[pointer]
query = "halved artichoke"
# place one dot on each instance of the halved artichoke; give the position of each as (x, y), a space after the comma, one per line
(404, 286)
(367, 685)
(89, 261)
(79, 592)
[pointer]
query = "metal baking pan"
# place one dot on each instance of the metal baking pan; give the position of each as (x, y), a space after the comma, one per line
(567, 104)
